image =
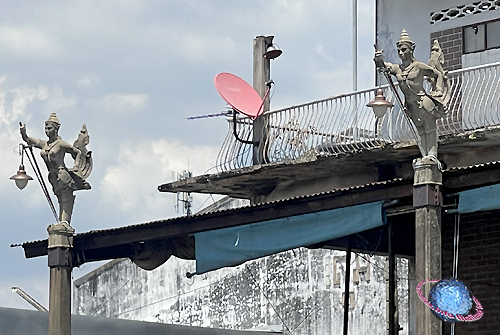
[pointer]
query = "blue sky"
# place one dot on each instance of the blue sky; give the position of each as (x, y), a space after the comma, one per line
(132, 71)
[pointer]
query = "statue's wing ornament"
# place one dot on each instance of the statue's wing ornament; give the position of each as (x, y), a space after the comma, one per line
(436, 62)
(83, 167)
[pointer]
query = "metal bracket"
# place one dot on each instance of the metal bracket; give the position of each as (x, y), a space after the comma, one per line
(427, 194)
(235, 132)
(60, 257)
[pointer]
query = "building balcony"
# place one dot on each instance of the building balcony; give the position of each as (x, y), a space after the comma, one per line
(344, 125)
(338, 142)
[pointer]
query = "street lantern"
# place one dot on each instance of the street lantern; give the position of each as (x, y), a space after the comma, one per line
(21, 178)
(272, 50)
(380, 104)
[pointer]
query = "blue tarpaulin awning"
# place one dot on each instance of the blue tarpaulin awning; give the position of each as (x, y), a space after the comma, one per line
(232, 246)
(479, 199)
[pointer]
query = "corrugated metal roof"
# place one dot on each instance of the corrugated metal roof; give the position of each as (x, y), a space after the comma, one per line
(260, 205)
(374, 185)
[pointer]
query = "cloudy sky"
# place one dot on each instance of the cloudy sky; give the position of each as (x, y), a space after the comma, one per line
(132, 71)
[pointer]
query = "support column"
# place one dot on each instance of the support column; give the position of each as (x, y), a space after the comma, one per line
(261, 75)
(346, 287)
(427, 198)
(60, 258)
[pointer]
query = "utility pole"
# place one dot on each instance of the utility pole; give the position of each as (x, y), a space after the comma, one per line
(60, 259)
(261, 75)
(427, 198)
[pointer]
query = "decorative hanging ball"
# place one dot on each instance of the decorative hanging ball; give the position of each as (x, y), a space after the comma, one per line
(451, 300)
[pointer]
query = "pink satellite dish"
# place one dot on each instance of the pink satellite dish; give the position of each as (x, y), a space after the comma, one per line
(239, 94)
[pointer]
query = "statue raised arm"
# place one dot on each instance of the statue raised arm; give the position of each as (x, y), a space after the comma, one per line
(423, 107)
(63, 180)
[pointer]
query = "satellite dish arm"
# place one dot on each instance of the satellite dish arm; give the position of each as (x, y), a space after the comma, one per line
(261, 108)
(236, 133)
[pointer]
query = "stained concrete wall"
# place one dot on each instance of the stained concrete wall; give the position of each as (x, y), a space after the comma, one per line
(299, 291)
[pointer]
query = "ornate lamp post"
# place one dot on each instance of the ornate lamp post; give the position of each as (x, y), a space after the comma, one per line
(421, 109)
(64, 182)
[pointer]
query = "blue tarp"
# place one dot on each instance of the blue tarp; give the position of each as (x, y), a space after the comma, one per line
(232, 246)
(479, 199)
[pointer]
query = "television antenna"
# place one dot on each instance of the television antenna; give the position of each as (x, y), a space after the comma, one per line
(183, 200)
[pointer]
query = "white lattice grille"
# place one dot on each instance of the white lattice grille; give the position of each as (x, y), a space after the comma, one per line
(464, 10)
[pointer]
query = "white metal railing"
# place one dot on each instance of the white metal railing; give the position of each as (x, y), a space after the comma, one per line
(343, 124)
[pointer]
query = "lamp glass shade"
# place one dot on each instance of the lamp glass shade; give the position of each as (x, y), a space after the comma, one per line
(21, 178)
(21, 183)
(379, 110)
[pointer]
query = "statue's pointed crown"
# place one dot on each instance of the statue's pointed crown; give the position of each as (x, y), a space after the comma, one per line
(405, 38)
(53, 118)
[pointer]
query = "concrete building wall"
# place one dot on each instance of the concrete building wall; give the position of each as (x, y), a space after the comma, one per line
(416, 18)
(299, 291)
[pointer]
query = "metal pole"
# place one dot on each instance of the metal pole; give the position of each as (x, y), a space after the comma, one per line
(355, 45)
(392, 282)
(29, 299)
(355, 64)
(346, 289)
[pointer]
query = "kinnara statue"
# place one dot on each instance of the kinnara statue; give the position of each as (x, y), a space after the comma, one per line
(64, 180)
(423, 107)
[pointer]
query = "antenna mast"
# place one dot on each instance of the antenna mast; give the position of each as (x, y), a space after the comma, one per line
(184, 198)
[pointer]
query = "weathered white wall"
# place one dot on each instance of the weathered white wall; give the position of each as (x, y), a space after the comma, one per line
(293, 289)
(414, 16)
(479, 58)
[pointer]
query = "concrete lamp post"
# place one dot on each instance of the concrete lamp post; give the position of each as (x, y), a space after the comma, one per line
(263, 51)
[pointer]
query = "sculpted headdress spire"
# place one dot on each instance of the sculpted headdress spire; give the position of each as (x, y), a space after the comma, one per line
(405, 39)
(53, 118)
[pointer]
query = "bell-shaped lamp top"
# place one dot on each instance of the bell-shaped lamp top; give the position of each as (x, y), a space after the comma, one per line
(272, 52)
(380, 105)
(21, 178)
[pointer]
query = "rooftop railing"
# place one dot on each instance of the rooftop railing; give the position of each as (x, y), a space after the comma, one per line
(343, 124)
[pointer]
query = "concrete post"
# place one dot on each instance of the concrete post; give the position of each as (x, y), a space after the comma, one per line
(261, 75)
(427, 198)
(60, 258)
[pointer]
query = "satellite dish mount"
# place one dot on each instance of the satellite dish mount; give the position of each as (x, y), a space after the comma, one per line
(242, 98)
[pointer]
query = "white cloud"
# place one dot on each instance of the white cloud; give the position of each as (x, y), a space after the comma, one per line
(120, 103)
(56, 99)
(13, 103)
(131, 185)
(27, 42)
(88, 81)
